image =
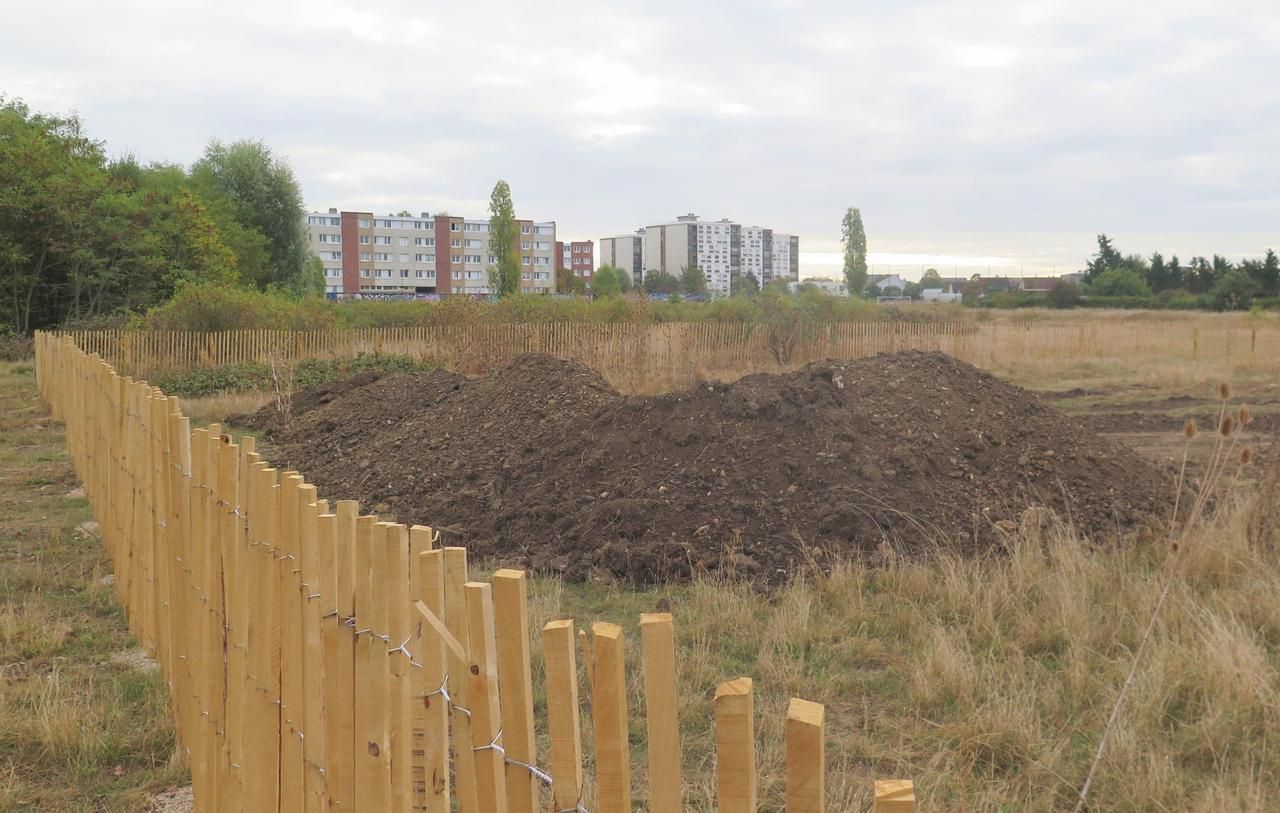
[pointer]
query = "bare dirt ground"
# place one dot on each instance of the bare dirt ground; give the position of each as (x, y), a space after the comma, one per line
(543, 464)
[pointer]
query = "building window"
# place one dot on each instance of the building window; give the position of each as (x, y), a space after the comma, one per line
(473, 243)
(524, 229)
(457, 275)
(364, 239)
(404, 258)
(456, 243)
(524, 260)
(525, 245)
(364, 222)
(454, 227)
(366, 256)
(456, 258)
(424, 258)
(364, 272)
(404, 241)
(424, 241)
(404, 273)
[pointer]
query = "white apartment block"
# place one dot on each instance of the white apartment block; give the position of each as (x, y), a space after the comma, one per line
(626, 251)
(721, 249)
(403, 255)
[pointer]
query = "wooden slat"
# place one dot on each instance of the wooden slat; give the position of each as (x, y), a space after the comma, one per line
(661, 712)
(559, 654)
(895, 796)
(609, 712)
(399, 713)
(435, 725)
(806, 757)
(457, 622)
(515, 676)
(735, 747)
(482, 691)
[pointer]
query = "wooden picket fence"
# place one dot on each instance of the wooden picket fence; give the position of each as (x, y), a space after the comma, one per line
(645, 358)
(321, 659)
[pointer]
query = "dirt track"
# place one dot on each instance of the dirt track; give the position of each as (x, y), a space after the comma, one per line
(543, 464)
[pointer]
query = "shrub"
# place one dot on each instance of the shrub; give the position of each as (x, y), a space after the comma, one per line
(252, 376)
(1234, 292)
(1119, 282)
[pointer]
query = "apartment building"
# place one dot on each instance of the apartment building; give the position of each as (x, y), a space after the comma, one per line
(577, 256)
(721, 249)
(441, 254)
(626, 251)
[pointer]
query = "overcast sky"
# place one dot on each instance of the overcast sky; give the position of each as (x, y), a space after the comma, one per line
(979, 132)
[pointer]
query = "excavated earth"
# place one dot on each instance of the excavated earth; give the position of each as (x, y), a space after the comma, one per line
(543, 464)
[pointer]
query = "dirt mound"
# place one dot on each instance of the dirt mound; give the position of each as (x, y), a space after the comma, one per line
(542, 463)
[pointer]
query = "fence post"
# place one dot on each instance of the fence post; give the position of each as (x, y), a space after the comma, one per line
(895, 796)
(457, 622)
(486, 716)
(735, 747)
(806, 757)
(435, 725)
(559, 655)
(398, 703)
(609, 713)
(340, 665)
(370, 781)
(658, 640)
(515, 685)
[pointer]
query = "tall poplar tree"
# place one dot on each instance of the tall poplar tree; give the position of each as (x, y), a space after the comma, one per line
(855, 252)
(504, 275)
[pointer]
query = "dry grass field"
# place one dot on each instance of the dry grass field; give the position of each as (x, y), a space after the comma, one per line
(986, 680)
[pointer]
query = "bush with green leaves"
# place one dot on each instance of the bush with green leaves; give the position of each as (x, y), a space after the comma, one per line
(1119, 282)
(1234, 291)
(252, 376)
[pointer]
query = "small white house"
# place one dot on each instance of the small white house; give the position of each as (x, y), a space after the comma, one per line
(831, 287)
(938, 295)
(884, 282)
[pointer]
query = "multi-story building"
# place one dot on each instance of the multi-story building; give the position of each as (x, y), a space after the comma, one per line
(721, 249)
(364, 254)
(577, 256)
(626, 251)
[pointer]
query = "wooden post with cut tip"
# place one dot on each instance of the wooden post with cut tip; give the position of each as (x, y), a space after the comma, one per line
(735, 746)
(609, 710)
(559, 656)
(515, 684)
(806, 757)
(895, 796)
(657, 637)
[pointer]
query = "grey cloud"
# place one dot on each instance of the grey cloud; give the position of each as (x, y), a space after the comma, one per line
(1019, 128)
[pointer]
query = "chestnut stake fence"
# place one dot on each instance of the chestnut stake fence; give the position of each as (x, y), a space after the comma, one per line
(319, 659)
(646, 357)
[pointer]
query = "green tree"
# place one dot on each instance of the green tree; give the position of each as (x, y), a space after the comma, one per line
(744, 285)
(1064, 295)
(504, 276)
(1234, 291)
(1107, 258)
(692, 280)
(931, 279)
(568, 282)
(854, 238)
(1162, 276)
(1119, 282)
(913, 290)
(1269, 276)
(624, 280)
(660, 282)
(51, 177)
(263, 195)
(1200, 276)
(605, 283)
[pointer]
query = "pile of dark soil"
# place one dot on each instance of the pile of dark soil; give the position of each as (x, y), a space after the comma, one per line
(541, 463)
